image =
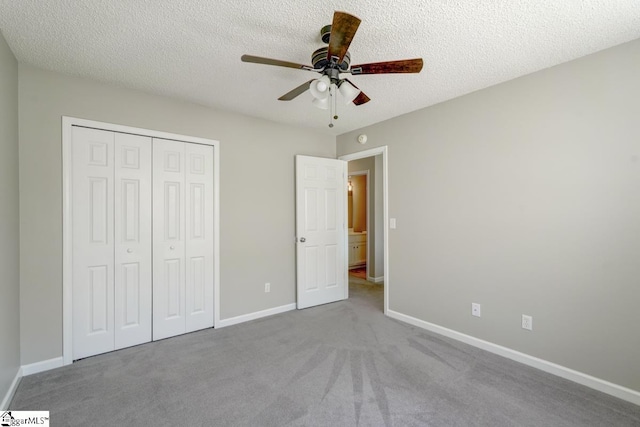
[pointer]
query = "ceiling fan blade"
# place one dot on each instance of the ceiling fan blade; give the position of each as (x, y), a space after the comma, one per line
(295, 92)
(343, 29)
(277, 62)
(402, 66)
(362, 98)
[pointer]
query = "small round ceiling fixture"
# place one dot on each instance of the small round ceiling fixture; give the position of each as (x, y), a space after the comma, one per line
(362, 139)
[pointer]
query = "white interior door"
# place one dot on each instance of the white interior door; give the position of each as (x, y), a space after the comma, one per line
(93, 244)
(168, 239)
(111, 241)
(321, 231)
(199, 236)
(182, 237)
(132, 194)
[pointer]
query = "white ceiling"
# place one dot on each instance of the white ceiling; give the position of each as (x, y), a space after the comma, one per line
(190, 49)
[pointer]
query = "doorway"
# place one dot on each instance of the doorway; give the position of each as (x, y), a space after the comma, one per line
(358, 219)
(373, 164)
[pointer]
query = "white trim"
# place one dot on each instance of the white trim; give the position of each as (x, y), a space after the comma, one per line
(45, 365)
(345, 229)
(12, 391)
(385, 207)
(256, 315)
(607, 387)
(67, 220)
(67, 244)
(216, 234)
(378, 279)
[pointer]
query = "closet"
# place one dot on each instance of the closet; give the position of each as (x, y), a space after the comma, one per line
(142, 239)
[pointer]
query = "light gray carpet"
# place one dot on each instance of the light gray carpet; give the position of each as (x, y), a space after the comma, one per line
(342, 364)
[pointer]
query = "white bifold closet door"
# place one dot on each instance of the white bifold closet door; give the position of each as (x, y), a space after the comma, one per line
(112, 271)
(182, 237)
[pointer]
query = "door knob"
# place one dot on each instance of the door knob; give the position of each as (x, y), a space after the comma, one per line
(172, 247)
(129, 250)
(302, 240)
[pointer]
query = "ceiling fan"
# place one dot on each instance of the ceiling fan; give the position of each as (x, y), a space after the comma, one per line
(333, 60)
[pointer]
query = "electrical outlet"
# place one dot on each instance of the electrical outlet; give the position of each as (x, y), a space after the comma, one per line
(475, 309)
(527, 322)
(267, 287)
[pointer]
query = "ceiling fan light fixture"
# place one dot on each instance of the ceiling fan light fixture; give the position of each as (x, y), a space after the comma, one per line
(321, 103)
(348, 91)
(333, 60)
(320, 88)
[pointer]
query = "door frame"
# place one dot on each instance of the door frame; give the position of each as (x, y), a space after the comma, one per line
(67, 220)
(383, 150)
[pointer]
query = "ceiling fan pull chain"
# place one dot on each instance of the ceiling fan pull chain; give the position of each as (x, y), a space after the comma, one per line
(335, 104)
(331, 105)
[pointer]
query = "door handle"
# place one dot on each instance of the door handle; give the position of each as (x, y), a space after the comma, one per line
(302, 240)
(172, 247)
(129, 250)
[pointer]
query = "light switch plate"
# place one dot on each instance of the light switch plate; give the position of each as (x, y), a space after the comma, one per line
(392, 223)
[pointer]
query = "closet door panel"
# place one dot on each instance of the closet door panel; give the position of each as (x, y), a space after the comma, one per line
(168, 238)
(93, 242)
(132, 240)
(199, 233)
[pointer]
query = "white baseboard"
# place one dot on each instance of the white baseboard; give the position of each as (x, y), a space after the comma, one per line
(607, 387)
(379, 279)
(45, 365)
(257, 315)
(12, 390)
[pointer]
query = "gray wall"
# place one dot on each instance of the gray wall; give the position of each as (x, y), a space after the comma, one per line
(9, 220)
(525, 197)
(257, 194)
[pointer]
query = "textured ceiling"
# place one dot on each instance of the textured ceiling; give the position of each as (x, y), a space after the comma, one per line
(191, 49)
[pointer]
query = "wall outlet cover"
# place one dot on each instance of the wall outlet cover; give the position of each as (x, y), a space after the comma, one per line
(475, 309)
(527, 322)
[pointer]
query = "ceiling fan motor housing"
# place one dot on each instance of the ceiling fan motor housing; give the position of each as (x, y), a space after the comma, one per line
(325, 33)
(319, 59)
